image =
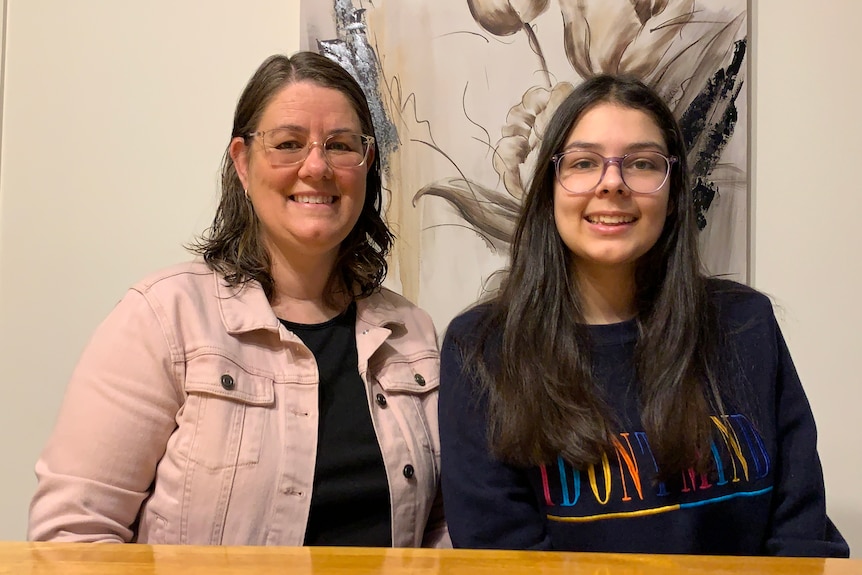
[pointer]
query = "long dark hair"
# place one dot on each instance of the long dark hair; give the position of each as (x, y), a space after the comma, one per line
(233, 245)
(542, 399)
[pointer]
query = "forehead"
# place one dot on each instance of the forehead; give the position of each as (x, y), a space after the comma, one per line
(308, 106)
(612, 125)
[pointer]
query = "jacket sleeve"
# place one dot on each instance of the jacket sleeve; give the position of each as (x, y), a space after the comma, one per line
(488, 504)
(117, 415)
(800, 526)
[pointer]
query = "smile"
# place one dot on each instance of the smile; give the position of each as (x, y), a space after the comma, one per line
(610, 220)
(306, 199)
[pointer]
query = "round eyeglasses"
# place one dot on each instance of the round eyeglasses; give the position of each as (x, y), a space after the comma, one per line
(580, 172)
(287, 147)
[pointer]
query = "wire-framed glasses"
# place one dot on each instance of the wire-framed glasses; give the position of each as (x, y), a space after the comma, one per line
(287, 147)
(580, 172)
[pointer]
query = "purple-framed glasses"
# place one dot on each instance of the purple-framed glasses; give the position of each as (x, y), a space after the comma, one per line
(580, 171)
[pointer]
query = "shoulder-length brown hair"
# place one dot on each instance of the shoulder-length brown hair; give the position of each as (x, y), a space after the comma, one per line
(233, 245)
(542, 398)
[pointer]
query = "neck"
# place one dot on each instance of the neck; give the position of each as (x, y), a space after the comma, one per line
(607, 294)
(301, 285)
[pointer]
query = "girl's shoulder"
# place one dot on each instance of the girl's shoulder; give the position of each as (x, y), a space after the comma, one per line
(474, 328)
(740, 310)
(734, 298)
(470, 319)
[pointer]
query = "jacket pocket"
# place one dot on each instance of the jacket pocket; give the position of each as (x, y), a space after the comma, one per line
(416, 375)
(410, 385)
(227, 407)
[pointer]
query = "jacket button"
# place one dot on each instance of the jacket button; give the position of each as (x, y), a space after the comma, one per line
(408, 471)
(419, 379)
(381, 400)
(227, 381)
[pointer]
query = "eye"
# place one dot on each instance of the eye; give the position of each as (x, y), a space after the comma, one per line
(287, 145)
(285, 141)
(583, 164)
(645, 163)
(579, 162)
(344, 143)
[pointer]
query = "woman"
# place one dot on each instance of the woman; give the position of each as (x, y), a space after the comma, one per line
(610, 397)
(273, 393)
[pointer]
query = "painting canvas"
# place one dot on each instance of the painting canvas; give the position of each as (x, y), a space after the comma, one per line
(461, 92)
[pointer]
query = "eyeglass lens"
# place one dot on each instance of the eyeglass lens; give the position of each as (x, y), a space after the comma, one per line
(581, 171)
(343, 149)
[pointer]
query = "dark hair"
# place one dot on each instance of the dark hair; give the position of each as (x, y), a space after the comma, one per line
(233, 246)
(542, 399)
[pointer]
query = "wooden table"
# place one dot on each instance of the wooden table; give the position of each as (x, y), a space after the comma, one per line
(103, 559)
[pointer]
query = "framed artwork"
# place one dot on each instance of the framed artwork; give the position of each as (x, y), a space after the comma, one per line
(461, 92)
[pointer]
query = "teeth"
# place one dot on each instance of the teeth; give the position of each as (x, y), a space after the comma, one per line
(313, 199)
(610, 219)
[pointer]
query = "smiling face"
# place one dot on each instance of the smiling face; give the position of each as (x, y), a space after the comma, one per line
(611, 227)
(308, 209)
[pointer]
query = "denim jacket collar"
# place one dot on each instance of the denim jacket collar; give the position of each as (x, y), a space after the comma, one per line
(245, 308)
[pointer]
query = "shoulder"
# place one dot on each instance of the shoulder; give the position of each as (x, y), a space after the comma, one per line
(385, 307)
(470, 321)
(738, 304)
(470, 329)
(746, 321)
(386, 298)
(193, 292)
(191, 275)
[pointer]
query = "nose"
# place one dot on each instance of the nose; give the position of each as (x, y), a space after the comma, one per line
(315, 164)
(612, 178)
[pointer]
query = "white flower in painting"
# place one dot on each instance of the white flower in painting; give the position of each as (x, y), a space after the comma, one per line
(621, 36)
(524, 131)
(696, 65)
(505, 17)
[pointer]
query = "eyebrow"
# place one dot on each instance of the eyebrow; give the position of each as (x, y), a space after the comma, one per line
(304, 130)
(633, 147)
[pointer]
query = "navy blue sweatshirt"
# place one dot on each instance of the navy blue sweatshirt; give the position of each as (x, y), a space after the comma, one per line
(764, 497)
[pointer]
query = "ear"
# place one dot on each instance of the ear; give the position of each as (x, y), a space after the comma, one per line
(239, 154)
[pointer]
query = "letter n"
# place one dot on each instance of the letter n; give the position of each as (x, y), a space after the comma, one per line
(628, 458)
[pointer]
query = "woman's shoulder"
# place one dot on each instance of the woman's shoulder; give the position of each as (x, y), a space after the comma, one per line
(385, 306)
(385, 297)
(387, 302)
(192, 272)
(193, 287)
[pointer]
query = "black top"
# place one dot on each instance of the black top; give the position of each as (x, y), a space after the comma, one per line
(766, 496)
(350, 497)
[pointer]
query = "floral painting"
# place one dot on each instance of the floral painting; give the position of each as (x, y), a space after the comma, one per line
(462, 91)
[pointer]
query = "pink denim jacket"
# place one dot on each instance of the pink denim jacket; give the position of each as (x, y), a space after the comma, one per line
(191, 418)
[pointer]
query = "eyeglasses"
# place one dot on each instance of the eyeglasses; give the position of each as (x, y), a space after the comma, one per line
(580, 172)
(286, 147)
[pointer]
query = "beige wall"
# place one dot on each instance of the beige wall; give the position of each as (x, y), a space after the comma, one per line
(115, 115)
(807, 204)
